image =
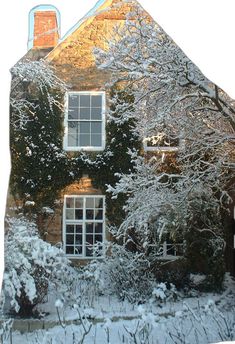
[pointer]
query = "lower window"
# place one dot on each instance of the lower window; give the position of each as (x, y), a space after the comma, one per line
(84, 226)
(168, 250)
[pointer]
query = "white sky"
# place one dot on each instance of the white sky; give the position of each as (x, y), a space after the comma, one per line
(204, 29)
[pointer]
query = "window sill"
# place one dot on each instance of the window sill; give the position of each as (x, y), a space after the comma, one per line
(71, 256)
(84, 149)
(169, 257)
(161, 149)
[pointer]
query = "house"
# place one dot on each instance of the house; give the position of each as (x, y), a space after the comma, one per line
(80, 208)
(78, 219)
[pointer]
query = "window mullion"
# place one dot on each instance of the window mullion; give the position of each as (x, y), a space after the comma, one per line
(84, 228)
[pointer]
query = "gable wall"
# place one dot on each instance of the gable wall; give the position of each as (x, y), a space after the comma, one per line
(74, 59)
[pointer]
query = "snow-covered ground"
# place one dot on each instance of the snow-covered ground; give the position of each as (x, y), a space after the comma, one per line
(205, 318)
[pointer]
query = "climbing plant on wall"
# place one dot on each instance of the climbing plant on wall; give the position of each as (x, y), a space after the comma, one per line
(40, 166)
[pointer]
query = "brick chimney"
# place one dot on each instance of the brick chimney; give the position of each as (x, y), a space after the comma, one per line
(46, 31)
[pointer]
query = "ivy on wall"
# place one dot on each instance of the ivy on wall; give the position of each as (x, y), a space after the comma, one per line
(41, 169)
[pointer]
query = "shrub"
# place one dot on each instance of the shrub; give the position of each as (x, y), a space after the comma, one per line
(123, 273)
(205, 254)
(172, 272)
(31, 265)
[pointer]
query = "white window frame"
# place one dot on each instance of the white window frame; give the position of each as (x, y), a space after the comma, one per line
(159, 148)
(84, 148)
(83, 222)
(164, 255)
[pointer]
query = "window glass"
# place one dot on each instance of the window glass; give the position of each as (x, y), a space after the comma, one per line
(96, 127)
(72, 133)
(96, 113)
(78, 203)
(79, 214)
(69, 214)
(96, 140)
(73, 101)
(85, 101)
(96, 101)
(69, 202)
(73, 113)
(85, 113)
(85, 127)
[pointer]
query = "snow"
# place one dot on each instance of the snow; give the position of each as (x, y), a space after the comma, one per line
(59, 304)
(159, 292)
(47, 210)
(29, 203)
(204, 319)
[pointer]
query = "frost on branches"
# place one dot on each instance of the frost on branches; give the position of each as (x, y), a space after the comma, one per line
(31, 266)
(40, 166)
(173, 102)
(33, 74)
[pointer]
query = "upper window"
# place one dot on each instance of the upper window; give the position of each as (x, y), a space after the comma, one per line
(85, 121)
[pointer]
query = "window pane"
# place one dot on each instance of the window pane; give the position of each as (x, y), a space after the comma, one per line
(70, 239)
(96, 140)
(84, 101)
(72, 133)
(69, 214)
(69, 249)
(78, 202)
(99, 215)
(85, 113)
(90, 239)
(72, 140)
(85, 127)
(90, 202)
(69, 202)
(98, 202)
(73, 100)
(78, 214)
(89, 227)
(73, 114)
(84, 140)
(98, 238)
(98, 228)
(96, 101)
(78, 240)
(89, 252)
(89, 214)
(70, 229)
(96, 127)
(78, 229)
(78, 250)
(96, 113)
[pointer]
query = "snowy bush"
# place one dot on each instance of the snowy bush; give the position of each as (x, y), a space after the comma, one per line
(172, 272)
(205, 253)
(124, 273)
(163, 292)
(31, 265)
